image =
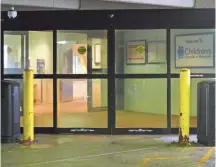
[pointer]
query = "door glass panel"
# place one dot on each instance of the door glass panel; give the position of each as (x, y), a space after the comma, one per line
(140, 51)
(76, 48)
(43, 102)
(82, 103)
(38, 45)
(193, 101)
(193, 49)
(13, 54)
(141, 103)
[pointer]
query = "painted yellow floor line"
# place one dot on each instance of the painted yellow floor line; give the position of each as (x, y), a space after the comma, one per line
(205, 157)
(146, 160)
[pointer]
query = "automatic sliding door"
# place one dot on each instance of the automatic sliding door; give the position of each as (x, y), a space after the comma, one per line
(38, 46)
(141, 97)
(82, 101)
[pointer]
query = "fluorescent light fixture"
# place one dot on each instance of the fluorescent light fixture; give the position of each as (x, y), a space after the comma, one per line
(62, 42)
(174, 3)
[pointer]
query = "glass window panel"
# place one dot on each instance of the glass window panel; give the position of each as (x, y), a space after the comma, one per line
(75, 47)
(12, 53)
(194, 49)
(82, 103)
(142, 51)
(43, 102)
(40, 51)
(193, 103)
(141, 103)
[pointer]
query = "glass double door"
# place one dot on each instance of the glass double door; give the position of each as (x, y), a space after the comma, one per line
(81, 88)
(82, 102)
(81, 98)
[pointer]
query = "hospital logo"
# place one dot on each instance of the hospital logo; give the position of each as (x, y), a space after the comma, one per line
(180, 52)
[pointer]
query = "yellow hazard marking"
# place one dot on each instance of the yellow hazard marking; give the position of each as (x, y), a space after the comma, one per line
(147, 160)
(205, 157)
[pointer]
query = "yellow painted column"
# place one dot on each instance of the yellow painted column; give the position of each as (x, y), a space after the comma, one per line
(184, 117)
(28, 106)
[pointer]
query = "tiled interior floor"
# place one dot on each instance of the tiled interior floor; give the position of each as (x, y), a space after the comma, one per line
(104, 151)
(99, 119)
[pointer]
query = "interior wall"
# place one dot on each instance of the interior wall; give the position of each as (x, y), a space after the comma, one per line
(145, 95)
(104, 82)
(119, 66)
(99, 86)
(141, 95)
(137, 93)
(13, 58)
(70, 38)
(41, 47)
(149, 36)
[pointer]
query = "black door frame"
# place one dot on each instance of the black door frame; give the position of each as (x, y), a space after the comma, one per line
(109, 20)
(160, 19)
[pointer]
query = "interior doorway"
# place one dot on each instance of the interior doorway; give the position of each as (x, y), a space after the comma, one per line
(81, 53)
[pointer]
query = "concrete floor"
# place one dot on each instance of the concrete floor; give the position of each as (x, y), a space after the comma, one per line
(105, 151)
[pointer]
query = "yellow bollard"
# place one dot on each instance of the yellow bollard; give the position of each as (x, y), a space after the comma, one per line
(28, 106)
(184, 117)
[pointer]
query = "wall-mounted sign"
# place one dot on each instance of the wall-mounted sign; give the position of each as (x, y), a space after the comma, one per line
(177, 3)
(82, 50)
(194, 50)
(40, 66)
(136, 52)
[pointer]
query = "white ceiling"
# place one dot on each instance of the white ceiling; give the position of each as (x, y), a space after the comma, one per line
(171, 3)
(65, 4)
(29, 5)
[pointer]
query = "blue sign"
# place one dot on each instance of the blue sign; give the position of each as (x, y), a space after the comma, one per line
(40, 66)
(180, 52)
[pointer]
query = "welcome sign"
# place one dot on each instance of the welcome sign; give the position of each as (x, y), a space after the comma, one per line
(194, 50)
